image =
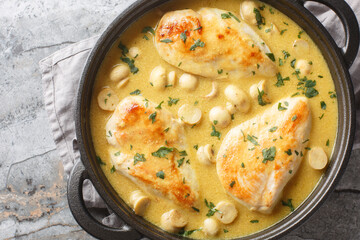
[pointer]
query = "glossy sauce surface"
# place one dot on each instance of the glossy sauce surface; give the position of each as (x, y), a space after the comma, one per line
(324, 122)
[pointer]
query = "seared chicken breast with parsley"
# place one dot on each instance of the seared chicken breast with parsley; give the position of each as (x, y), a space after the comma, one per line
(258, 157)
(149, 147)
(212, 43)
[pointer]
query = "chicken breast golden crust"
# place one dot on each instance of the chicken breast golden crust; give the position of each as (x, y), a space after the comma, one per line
(149, 147)
(212, 43)
(258, 157)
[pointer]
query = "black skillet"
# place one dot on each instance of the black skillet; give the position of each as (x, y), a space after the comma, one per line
(339, 62)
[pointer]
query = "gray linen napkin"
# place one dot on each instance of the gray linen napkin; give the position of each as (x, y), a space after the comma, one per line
(61, 74)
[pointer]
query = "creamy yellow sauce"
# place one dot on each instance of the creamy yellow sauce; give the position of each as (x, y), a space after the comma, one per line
(324, 129)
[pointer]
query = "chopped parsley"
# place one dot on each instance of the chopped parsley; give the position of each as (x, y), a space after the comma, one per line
(286, 54)
(288, 152)
(152, 117)
(212, 209)
(294, 118)
(260, 20)
(327, 142)
(281, 108)
(254, 221)
(148, 29)
(189, 232)
(159, 106)
(271, 56)
(183, 36)
(280, 80)
(196, 147)
(167, 129)
(232, 184)
(234, 17)
(332, 94)
(172, 101)
(146, 38)
(288, 204)
(292, 63)
(323, 105)
(299, 35)
(139, 158)
(183, 153)
(137, 92)
(283, 31)
(273, 129)
(269, 154)
(98, 159)
(166, 40)
(160, 174)
(252, 140)
(225, 16)
(195, 209)
(242, 165)
(131, 64)
(225, 230)
(162, 152)
(215, 133)
(117, 153)
(197, 43)
(123, 48)
(260, 98)
(180, 162)
(220, 71)
(112, 170)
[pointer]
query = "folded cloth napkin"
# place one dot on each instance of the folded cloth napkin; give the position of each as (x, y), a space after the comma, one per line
(61, 74)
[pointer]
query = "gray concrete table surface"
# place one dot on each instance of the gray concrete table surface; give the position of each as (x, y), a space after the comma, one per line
(33, 203)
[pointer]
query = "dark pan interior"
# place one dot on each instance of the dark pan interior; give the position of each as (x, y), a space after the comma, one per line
(341, 151)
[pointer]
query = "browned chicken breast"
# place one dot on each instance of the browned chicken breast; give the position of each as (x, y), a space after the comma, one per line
(258, 157)
(149, 147)
(212, 43)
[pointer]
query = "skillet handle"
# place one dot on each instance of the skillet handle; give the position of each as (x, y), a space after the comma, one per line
(351, 26)
(81, 214)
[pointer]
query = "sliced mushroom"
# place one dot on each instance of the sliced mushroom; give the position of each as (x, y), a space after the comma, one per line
(220, 117)
(139, 202)
(247, 11)
(205, 154)
(259, 87)
(188, 82)
(172, 78)
(173, 221)
(214, 91)
(301, 47)
(230, 107)
(123, 82)
(211, 227)
(237, 97)
(107, 99)
(119, 72)
(189, 114)
(317, 158)
(226, 212)
(304, 66)
(158, 77)
(134, 52)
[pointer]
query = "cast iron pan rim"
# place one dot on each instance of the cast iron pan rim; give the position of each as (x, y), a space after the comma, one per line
(283, 226)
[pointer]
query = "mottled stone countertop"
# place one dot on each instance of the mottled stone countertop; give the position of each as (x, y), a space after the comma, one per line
(33, 203)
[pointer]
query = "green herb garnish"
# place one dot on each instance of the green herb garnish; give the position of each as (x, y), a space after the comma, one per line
(139, 158)
(162, 152)
(269, 154)
(160, 174)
